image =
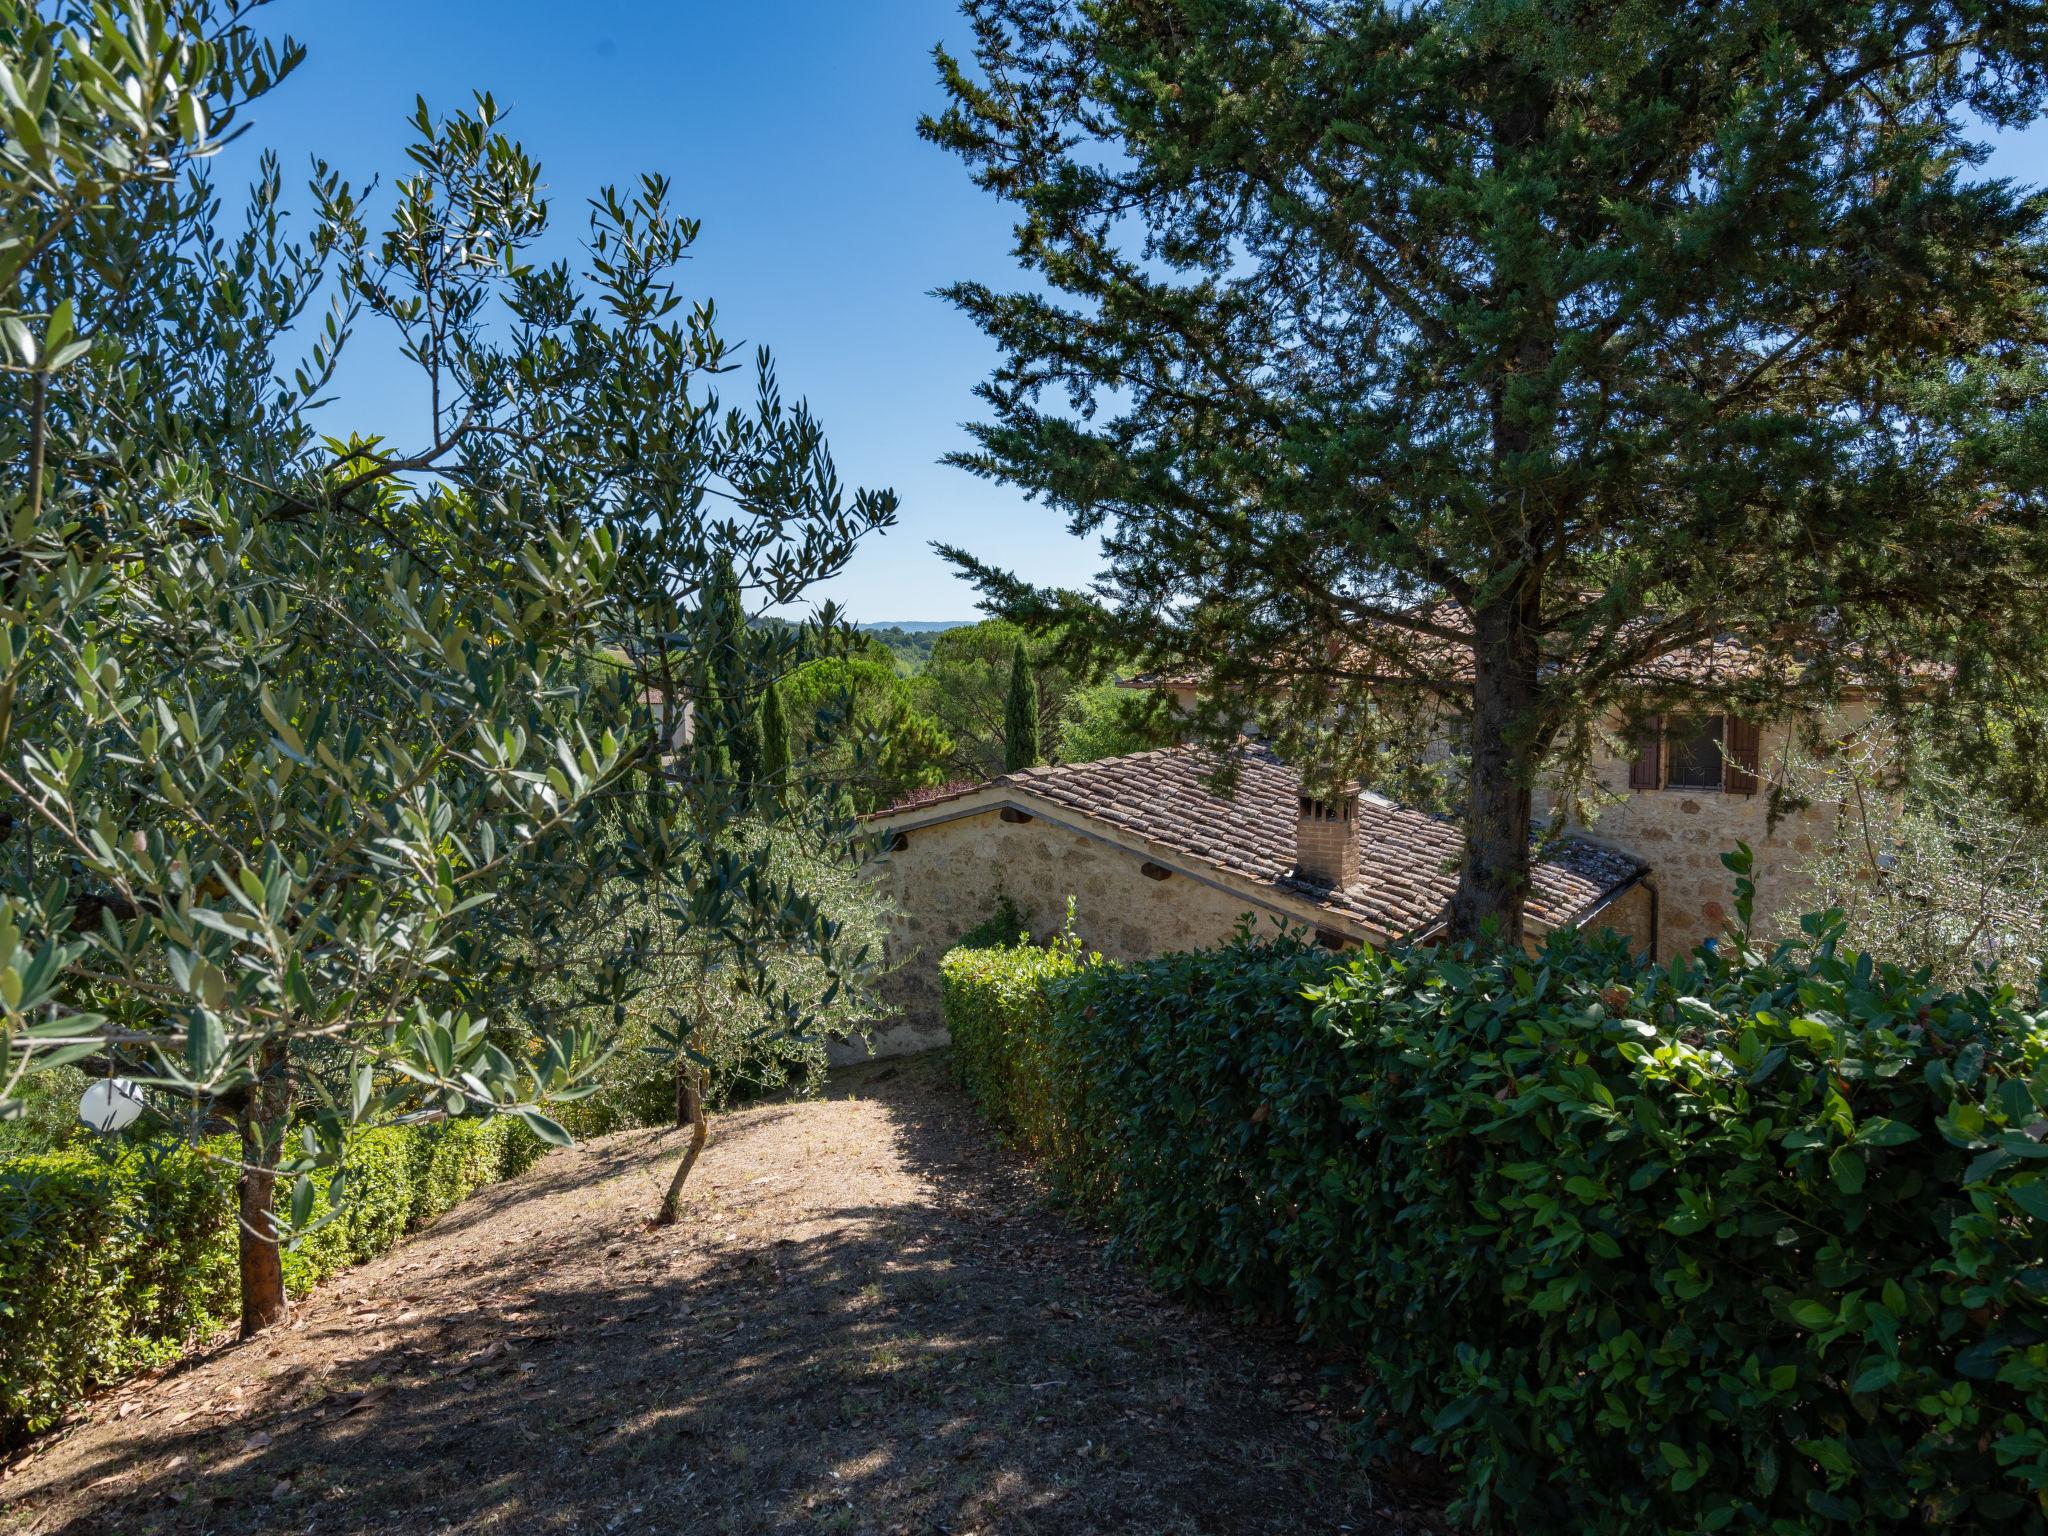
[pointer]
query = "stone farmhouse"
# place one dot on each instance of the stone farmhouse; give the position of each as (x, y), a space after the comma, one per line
(1156, 861)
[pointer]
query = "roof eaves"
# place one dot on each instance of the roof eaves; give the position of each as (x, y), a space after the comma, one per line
(944, 795)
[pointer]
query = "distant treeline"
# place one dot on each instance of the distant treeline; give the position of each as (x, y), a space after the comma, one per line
(909, 646)
(912, 648)
(909, 709)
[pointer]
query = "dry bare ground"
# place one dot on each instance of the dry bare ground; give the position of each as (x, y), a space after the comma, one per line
(870, 1321)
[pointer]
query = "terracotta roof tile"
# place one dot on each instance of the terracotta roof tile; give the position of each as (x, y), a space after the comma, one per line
(935, 794)
(1405, 876)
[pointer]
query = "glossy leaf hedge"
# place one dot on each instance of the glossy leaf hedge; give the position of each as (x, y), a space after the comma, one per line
(1743, 1242)
(994, 999)
(112, 1263)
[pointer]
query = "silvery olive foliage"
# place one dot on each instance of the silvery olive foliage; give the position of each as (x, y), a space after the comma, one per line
(307, 744)
(1926, 869)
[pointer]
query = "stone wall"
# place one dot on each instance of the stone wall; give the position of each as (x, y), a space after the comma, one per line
(1628, 914)
(946, 879)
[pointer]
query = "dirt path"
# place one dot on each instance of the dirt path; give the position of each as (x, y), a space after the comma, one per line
(869, 1322)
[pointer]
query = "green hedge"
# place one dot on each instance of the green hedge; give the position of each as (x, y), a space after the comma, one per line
(114, 1261)
(1735, 1243)
(994, 1001)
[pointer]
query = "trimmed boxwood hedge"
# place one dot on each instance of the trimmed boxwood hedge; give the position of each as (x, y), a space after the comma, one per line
(994, 1002)
(1739, 1242)
(111, 1261)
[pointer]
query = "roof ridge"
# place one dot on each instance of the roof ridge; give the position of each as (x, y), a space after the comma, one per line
(1177, 748)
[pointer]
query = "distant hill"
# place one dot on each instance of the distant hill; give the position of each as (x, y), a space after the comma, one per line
(910, 643)
(921, 626)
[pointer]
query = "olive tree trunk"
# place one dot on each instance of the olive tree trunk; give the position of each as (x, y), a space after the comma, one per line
(689, 1112)
(262, 1125)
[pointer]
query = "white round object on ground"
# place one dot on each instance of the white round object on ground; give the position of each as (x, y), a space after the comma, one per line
(110, 1105)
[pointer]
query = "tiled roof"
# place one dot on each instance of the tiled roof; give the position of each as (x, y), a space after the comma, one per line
(1404, 881)
(935, 794)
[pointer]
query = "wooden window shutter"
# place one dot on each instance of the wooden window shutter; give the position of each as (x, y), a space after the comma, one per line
(1646, 772)
(1739, 757)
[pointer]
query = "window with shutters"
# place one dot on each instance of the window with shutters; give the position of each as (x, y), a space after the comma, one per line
(1695, 754)
(1719, 752)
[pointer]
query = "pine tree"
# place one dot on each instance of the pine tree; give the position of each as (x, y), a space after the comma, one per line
(1526, 359)
(1020, 716)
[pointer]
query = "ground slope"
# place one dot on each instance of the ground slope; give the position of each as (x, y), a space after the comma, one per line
(868, 1322)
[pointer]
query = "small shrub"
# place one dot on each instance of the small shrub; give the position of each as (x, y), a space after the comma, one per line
(382, 1195)
(1203, 1114)
(179, 1276)
(459, 1156)
(1003, 928)
(1742, 1242)
(519, 1150)
(45, 1113)
(107, 1264)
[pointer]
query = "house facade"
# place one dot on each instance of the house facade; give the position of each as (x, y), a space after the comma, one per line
(1692, 793)
(1156, 856)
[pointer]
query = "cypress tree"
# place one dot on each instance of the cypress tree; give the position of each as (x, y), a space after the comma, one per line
(1510, 367)
(710, 723)
(731, 665)
(1020, 716)
(778, 759)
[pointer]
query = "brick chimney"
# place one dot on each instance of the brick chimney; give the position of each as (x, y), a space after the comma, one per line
(1326, 839)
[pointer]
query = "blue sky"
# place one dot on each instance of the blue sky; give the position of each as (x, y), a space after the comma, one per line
(789, 128)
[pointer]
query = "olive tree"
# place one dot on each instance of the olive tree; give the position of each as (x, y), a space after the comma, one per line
(298, 734)
(1925, 868)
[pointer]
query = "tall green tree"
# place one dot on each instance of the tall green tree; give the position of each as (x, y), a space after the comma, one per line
(857, 728)
(711, 740)
(1109, 720)
(1020, 716)
(965, 686)
(1530, 365)
(308, 746)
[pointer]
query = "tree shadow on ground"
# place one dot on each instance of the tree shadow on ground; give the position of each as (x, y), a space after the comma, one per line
(949, 1357)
